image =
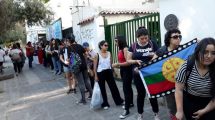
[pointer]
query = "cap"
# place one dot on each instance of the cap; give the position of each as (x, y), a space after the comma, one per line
(85, 44)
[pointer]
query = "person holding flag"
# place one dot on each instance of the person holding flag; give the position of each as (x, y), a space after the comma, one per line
(141, 52)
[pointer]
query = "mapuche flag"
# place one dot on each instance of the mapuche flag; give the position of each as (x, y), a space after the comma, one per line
(158, 75)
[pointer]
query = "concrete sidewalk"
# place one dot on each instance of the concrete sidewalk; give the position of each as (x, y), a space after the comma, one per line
(38, 94)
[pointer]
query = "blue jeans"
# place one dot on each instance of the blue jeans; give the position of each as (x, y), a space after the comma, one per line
(57, 64)
(30, 60)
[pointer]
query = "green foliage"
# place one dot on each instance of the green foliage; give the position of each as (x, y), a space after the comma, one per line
(14, 12)
(18, 33)
(33, 12)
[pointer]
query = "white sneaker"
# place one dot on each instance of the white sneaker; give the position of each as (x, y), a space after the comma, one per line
(140, 117)
(105, 108)
(157, 117)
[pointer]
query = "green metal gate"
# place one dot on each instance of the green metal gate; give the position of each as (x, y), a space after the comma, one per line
(128, 29)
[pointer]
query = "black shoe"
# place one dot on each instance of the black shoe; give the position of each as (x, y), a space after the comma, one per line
(124, 114)
(69, 91)
(131, 105)
(74, 90)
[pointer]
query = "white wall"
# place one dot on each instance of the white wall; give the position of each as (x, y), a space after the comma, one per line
(32, 33)
(196, 19)
(61, 9)
(93, 32)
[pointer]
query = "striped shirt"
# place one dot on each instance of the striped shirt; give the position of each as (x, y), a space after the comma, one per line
(197, 85)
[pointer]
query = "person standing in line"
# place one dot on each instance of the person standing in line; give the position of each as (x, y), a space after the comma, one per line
(55, 57)
(64, 57)
(29, 53)
(90, 53)
(82, 76)
(48, 55)
(126, 74)
(141, 52)
(15, 55)
(40, 53)
(172, 41)
(2, 54)
(195, 94)
(103, 72)
(22, 55)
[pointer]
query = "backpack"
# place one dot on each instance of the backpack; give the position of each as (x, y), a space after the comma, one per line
(16, 57)
(75, 62)
(190, 64)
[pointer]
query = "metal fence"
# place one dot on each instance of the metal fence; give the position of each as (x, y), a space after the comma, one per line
(128, 29)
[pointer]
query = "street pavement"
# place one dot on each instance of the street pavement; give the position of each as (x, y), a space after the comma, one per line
(38, 94)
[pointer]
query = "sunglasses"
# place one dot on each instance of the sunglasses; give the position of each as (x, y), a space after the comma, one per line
(176, 37)
(105, 45)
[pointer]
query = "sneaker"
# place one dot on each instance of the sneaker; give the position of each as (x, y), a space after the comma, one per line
(157, 116)
(105, 108)
(81, 102)
(140, 117)
(56, 72)
(131, 105)
(59, 73)
(90, 97)
(124, 114)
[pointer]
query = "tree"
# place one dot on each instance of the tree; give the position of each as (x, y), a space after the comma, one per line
(20, 11)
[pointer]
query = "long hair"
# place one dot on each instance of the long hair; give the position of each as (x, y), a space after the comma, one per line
(121, 42)
(199, 55)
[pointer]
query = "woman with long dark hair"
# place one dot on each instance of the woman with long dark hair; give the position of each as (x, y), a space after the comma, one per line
(55, 57)
(103, 72)
(195, 95)
(125, 72)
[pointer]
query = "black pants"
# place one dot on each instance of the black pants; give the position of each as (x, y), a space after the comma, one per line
(17, 66)
(126, 75)
(107, 75)
(195, 103)
(141, 92)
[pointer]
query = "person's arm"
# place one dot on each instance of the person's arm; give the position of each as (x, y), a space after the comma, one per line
(179, 100)
(95, 64)
(125, 51)
(131, 61)
(179, 87)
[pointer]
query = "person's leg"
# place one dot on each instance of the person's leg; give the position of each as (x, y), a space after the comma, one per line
(30, 59)
(126, 76)
(81, 85)
(141, 92)
(87, 82)
(171, 105)
(113, 87)
(19, 66)
(59, 66)
(55, 65)
(15, 67)
(154, 104)
(102, 76)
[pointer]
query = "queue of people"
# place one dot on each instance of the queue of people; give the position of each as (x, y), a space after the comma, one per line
(193, 99)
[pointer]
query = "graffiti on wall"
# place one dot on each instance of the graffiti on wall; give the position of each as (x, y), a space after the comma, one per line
(85, 35)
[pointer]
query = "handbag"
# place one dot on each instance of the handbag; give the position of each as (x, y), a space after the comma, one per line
(97, 99)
